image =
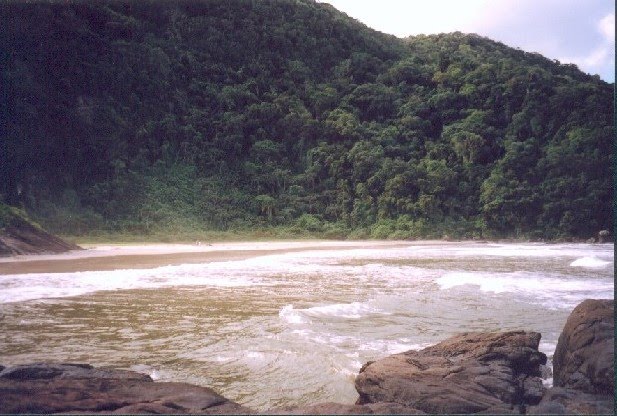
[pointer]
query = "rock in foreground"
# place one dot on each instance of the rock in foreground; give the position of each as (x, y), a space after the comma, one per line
(584, 362)
(62, 388)
(469, 373)
(585, 354)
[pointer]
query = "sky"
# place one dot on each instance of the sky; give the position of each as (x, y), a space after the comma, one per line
(581, 32)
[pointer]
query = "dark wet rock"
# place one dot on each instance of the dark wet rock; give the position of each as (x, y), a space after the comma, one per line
(583, 363)
(81, 388)
(392, 409)
(561, 400)
(347, 409)
(546, 372)
(585, 355)
(468, 373)
(44, 371)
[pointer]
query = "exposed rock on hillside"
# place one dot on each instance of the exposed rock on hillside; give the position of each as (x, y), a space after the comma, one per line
(18, 235)
(469, 373)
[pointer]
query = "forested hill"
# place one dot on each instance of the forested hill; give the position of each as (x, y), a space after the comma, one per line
(149, 116)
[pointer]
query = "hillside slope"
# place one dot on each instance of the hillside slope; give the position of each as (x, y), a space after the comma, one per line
(144, 116)
(19, 235)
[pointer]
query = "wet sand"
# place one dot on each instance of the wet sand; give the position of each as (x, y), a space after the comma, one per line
(114, 257)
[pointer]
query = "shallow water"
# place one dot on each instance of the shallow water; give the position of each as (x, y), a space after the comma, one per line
(295, 328)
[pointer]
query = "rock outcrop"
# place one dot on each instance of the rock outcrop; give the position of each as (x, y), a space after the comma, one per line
(585, 354)
(568, 401)
(584, 362)
(30, 240)
(63, 388)
(469, 373)
(19, 235)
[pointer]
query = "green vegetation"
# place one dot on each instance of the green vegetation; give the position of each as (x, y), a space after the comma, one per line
(14, 217)
(286, 116)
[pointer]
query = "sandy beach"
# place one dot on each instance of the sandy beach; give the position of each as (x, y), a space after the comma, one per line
(144, 256)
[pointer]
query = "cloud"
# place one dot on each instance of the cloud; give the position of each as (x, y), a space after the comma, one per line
(550, 27)
(403, 18)
(602, 56)
(573, 31)
(594, 59)
(606, 26)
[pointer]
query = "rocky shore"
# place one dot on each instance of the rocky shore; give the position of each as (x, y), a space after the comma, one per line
(584, 363)
(485, 373)
(19, 235)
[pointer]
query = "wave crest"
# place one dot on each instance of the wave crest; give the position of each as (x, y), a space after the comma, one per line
(592, 262)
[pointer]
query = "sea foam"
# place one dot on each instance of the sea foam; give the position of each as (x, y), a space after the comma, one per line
(291, 315)
(24, 287)
(591, 262)
(521, 282)
(342, 310)
(352, 310)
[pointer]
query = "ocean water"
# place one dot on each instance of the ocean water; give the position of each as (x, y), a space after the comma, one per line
(295, 328)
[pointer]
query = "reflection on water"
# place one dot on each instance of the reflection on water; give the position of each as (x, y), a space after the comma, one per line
(295, 328)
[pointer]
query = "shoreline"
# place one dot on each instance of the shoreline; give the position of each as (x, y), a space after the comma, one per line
(146, 256)
(107, 257)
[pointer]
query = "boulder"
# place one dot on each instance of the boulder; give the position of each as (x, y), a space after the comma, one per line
(585, 355)
(561, 400)
(63, 388)
(468, 373)
(583, 363)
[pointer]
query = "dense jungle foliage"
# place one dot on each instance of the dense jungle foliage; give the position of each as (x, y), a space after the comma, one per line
(149, 116)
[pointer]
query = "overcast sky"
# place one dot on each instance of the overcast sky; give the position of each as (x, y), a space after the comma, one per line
(573, 31)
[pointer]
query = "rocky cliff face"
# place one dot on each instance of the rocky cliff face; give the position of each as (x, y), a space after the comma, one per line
(487, 373)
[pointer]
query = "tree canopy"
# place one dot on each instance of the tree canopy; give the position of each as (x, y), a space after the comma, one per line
(225, 114)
